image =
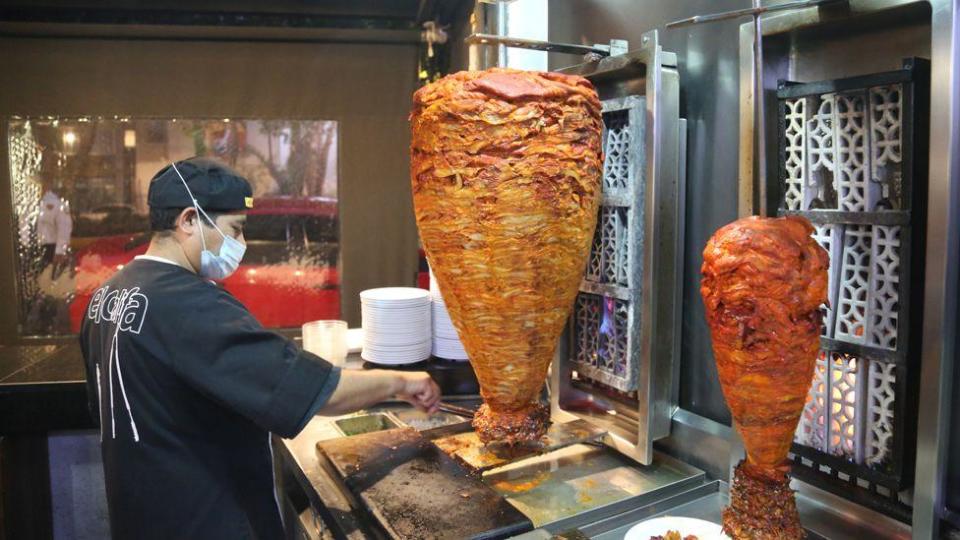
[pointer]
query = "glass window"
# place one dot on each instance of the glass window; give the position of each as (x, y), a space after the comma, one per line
(79, 188)
(527, 19)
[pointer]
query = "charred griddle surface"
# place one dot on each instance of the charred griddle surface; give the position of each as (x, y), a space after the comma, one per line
(415, 491)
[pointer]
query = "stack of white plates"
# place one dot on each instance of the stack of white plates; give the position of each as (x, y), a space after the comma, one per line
(396, 325)
(446, 343)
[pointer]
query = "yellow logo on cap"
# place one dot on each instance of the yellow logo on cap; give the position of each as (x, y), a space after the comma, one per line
(248, 201)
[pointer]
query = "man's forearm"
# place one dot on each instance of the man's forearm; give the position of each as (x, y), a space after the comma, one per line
(360, 389)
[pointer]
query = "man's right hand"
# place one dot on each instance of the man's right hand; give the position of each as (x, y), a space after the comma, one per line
(419, 389)
(362, 388)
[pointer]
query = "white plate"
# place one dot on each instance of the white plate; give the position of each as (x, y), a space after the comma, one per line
(404, 340)
(410, 346)
(388, 360)
(396, 311)
(449, 352)
(376, 327)
(408, 326)
(417, 329)
(395, 296)
(398, 338)
(396, 325)
(405, 351)
(389, 317)
(703, 530)
(394, 359)
(394, 318)
(424, 308)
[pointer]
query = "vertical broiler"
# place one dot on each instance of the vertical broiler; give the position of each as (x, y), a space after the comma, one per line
(534, 238)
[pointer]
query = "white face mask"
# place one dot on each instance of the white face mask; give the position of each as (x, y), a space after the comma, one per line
(222, 265)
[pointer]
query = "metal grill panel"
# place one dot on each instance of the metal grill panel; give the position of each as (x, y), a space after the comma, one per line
(851, 144)
(819, 189)
(587, 328)
(884, 287)
(857, 184)
(796, 158)
(812, 429)
(828, 236)
(882, 395)
(617, 150)
(855, 278)
(845, 407)
(886, 156)
(607, 309)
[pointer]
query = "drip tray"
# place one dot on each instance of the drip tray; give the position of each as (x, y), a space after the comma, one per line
(583, 483)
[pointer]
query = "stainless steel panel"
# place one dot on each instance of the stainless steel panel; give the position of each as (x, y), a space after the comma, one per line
(939, 355)
(708, 98)
(635, 424)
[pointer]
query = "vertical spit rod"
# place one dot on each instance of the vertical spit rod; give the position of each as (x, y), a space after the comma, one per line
(759, 124)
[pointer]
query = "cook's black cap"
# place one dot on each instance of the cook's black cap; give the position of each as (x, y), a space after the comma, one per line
(218, 188)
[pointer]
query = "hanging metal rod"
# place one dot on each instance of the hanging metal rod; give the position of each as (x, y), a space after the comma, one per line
(522, 43)
(754, 11)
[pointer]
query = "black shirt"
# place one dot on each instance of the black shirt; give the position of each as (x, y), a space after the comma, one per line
(188, 386)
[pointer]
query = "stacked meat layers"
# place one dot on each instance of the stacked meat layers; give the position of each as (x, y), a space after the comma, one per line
(506, 168)
(764, 282)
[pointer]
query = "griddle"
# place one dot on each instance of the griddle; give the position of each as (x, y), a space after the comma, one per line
(413, 490)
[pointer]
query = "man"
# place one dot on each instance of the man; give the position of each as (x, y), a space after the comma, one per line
(190, 385)
(48, 312)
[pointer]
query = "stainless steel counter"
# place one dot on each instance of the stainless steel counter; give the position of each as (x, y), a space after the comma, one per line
(564, 489)
(582, 488)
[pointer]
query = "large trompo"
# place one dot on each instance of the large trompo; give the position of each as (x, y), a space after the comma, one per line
(764, 281)
(506, 167)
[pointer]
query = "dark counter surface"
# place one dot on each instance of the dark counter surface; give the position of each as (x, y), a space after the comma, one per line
(41, 364)
(42, 389)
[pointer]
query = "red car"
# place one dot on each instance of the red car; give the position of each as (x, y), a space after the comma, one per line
(288, 275)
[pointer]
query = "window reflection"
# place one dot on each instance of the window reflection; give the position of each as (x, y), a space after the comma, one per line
(79, 188)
